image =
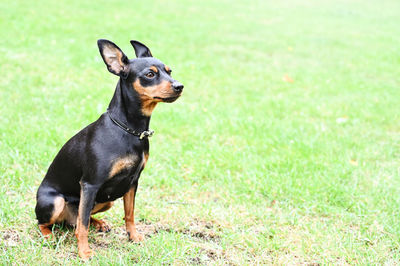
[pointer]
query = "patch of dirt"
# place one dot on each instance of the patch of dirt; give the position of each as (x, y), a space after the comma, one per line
(206, 233)
(204, 230)
(148, 230)
(196, 261)
(101, 243)
(213, 254)
(10, 238)
(208, 254)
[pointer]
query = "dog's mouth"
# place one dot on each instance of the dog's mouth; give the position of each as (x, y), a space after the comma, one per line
(168, 99)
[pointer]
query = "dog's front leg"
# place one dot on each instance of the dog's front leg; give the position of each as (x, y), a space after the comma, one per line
(86, 203)
(129, 207)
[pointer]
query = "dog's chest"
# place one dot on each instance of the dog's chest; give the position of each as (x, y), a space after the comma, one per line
(124, 171)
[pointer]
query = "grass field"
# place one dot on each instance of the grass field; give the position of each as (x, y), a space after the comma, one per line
(284, 148)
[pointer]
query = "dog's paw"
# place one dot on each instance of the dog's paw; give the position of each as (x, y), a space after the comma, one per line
(135, 236)
(86, 254)
(46, 232)
(100, 225)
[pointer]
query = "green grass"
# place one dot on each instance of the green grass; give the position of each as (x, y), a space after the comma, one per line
(284, 149)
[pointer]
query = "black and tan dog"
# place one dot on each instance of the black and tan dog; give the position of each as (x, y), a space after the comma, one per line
(104, 160)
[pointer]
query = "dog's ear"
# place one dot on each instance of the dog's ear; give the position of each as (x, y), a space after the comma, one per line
(141, 50)
(115, 60)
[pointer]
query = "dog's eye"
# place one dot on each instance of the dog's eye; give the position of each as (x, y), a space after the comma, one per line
(150, 75)
(169, 72)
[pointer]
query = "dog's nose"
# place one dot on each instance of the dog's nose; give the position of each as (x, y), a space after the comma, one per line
(177, 86)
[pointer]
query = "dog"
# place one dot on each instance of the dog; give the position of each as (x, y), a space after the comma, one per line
(103, 161)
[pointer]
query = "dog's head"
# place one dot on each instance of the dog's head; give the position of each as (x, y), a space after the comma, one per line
(149, 77)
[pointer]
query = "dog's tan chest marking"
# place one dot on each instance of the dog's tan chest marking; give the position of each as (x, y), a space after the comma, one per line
(121, 164)
(102, 207)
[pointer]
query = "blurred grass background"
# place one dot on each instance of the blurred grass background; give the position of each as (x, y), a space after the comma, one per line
(284, 148)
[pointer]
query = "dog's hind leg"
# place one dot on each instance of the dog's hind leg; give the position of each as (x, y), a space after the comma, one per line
(49, 209)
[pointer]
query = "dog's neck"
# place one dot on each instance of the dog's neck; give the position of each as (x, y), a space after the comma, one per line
(125, 106)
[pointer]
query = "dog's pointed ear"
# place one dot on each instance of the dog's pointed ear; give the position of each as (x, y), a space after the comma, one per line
(115, 60)
(141, 50)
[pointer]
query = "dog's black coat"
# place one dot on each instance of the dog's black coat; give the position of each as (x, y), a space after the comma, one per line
(82, 166)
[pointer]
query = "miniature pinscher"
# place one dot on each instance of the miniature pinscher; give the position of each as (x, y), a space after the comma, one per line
(103, 161)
